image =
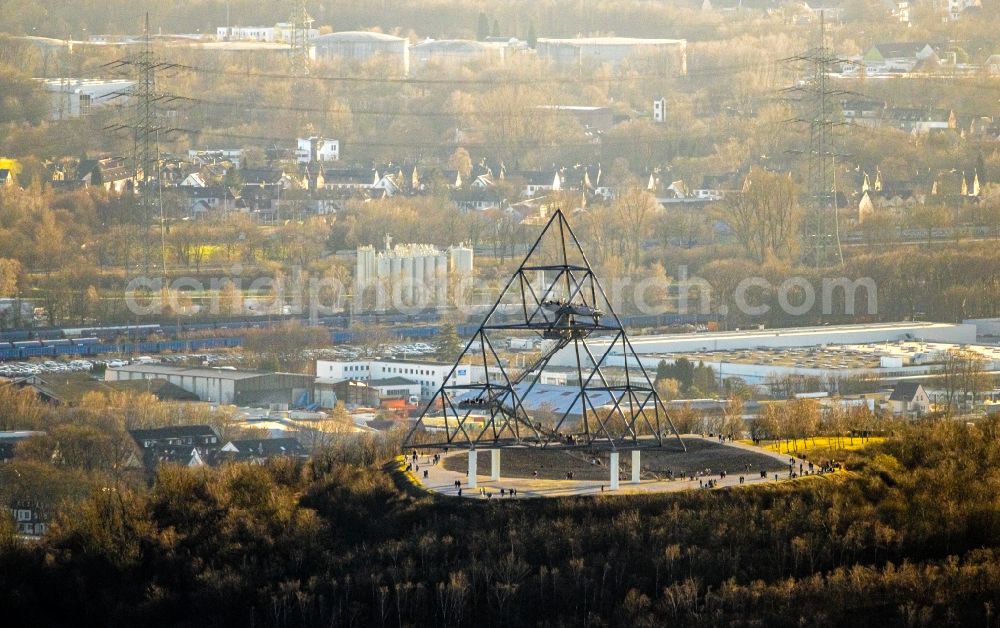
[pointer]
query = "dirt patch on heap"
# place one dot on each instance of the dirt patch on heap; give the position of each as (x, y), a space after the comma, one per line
(554, 464)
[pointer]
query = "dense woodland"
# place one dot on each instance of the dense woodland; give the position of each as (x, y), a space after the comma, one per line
(906, 536)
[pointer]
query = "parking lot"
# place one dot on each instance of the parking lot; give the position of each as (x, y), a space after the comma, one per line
(400, 351)
(25, 369)
(235, 358)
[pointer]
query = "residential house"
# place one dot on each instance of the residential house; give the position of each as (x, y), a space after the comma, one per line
(204, 436)
(984, 128)
(400, 179)
(9, 441)
(476, 198)
(450, 178)
(199, 202)
(483, 181)
(992, 65)
(259, 450)
(297, 203)
(588, 179)
(534, 183)
(528, 212)
(714, 187)
(921, 120)
(955, 9)
(312, 177)
(217, 156)
(898, 10)
(268, 176)
(385, 187)
(660, 110)
(193, 180)
(186, 445)
(899, 57)
(349, 179)
(111, 173)
(862, 111)
(866, 207)
(885, 195)
(909, 398)
(263, 201)
(317, 149)
(31, 519)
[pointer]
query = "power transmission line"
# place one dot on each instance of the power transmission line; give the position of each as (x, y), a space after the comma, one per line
(496, 80)
(301, 23)
(815, 101)
(144, 124)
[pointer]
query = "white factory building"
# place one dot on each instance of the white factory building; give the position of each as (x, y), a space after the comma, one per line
(73, 98)
(455, 52)
(887, 351)
(282, 32)
(986, 327)
(362, 46)
(612, 50)
(429, 376)
(409, 274)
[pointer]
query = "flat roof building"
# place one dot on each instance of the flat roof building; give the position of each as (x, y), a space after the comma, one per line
(885, 351)
(792, 337)
(455, 52)
(73, 98)
(362, 46)
(429, 376)
(611, 50)
(242, 388)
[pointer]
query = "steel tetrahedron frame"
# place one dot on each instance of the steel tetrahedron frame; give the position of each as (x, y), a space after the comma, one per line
(555, 300)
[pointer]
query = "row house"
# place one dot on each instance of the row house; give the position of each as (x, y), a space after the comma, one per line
(200, 202)
(916, 120)
(259, 450)
(921, 120)
(200, 445)
(111, 173)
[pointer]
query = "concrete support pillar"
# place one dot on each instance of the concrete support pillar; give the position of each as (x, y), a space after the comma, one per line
(472, 468)
(614, 470)
(636, 466)
(495, 465)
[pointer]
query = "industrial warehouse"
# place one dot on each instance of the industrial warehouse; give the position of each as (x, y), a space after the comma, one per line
(882, 351)
(225, 386)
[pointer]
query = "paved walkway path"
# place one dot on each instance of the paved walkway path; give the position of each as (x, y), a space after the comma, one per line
(441, 480)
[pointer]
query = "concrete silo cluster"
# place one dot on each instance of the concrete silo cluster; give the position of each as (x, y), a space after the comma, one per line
(408, 275)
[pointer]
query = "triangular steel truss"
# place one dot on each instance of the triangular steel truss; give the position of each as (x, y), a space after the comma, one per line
(554, 297)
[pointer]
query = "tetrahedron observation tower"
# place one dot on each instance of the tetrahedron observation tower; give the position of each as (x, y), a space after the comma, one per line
(555, 302)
